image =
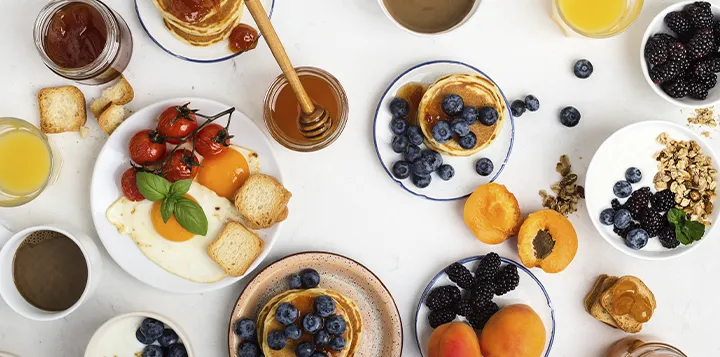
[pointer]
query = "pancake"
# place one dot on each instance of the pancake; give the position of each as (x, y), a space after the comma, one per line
(198, 40)
(166, 9)
(477, 91)
(226, 16)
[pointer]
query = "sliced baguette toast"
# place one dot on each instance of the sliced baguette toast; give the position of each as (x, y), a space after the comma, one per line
(262, 201)
(626, 322)
(596, 290)
(597, 310)
(111, 118)
(62, 109)
(235, 249)
(120, 93)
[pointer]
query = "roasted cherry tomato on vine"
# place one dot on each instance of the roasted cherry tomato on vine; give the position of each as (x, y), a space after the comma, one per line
(212, 140)
(129, 185)
(146, 146)
(183, 164)
(177, 121)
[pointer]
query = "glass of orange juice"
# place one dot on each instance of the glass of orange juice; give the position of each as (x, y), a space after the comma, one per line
(26, 162)
(596, 18)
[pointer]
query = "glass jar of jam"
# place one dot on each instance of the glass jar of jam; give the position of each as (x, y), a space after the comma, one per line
(635, 347)
(282, 110)
(83, 40)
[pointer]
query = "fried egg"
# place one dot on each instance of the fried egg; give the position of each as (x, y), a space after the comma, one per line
(227, 172)
(168, 244)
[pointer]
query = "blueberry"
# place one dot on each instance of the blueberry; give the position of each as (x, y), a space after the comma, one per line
(401, 170)
(532, 103)
(517, 108)
(607, 216)
(151, 328)
(338, 343)
(633, 175)
(569, 116)
(488, 116)
(321, 338)
(294, 281)
(468, 141)
(415, 135)
(324, 305)
(177, 350)
(305, 349)
(484, 167)
(441, 132)
(144, 339)
(400, 143)
(622, 189)
(412, 153)
(312, 323)
(286, 313)
(583, 69)
(433, 158)
(637, 238)
(469, 115)
(421, 181)
(152, 351)
(622, 219)
(446, 172)
(318, 354)
(276, 340)
(399, 108)
(293, 332)
(246, 329)
(422, 168)
(335, 325)
(169, 337)
(248, 349)
(453, 105)
(398, 126)
(460, 127)
(310, 278)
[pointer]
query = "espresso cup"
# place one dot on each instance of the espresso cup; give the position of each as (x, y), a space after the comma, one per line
(10, 242)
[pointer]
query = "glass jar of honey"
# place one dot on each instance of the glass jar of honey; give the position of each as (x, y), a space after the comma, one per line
(635, 347)
(83, 40)
(282, 110)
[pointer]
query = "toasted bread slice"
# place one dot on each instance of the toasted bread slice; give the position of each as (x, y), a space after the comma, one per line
(626, 322)
(597, 310)
(111, 118)
(261, 201)
(236, 248)
(592, 296)
(120, 93)
(283, 215)
(62, 109)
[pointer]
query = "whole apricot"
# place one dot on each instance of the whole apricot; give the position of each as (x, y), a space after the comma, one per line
(454, 339)
(514, 331)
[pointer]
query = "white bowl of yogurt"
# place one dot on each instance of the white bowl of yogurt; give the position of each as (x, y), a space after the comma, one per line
(116, 337)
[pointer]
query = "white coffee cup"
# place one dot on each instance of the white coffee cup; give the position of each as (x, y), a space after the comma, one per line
(10, 242)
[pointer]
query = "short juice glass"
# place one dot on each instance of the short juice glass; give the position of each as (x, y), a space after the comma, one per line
(634, 347)
(595, 18)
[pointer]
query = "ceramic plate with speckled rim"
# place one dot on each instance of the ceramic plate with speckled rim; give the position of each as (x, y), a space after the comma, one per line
(382, 328)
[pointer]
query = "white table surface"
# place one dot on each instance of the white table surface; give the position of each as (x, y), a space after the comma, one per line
(342, 199)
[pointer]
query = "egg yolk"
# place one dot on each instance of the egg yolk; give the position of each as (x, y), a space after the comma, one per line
(224, 173)
(170, 230)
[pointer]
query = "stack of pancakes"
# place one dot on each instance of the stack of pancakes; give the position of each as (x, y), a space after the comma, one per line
(303, 301)
(476, 91)
(211, 28)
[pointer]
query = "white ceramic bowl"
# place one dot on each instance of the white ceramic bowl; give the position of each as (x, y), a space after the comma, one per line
(633, 146)
(116, 337)
(657, 25)
(459, 24)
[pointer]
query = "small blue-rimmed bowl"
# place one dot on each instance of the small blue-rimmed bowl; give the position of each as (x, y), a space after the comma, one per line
(152, 21)
(466, 179)
(530, 292)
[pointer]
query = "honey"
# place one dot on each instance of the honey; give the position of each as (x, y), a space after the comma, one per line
(628, 301)
(412, 93)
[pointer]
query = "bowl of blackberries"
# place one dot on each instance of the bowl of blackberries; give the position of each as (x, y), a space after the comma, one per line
(679, 54)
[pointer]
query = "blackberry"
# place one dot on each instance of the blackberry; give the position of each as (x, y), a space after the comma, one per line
(463, 308)
(616, 205)
(482, 294)
(709, 80)
(701, 44)
(700, 68)
(697, 90)
(487, 268)
(507, 280)
(678, 23)
(714, 64)
(639, 201)
(663, 200)
(480, 317)
(442, 297)
(667, 238)
(440, 317)
(683, 65)
(677, 52)
(716, 30)
(460, 275)
(652, 221)
(700, 14)
(665, 72)
(657, 50)
(677, 88)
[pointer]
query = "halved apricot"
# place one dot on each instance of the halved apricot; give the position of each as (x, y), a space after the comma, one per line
(492, 213)
(547, 240)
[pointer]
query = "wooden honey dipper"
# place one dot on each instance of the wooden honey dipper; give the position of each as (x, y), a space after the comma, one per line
(315, 122)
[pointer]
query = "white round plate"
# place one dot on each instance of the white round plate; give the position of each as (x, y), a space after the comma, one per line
(634, 146)
(657, 25)
(152, 21)
(466, 179)
(530, 292)
(105, 189)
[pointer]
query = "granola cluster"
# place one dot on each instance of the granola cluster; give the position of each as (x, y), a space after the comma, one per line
(568, 192)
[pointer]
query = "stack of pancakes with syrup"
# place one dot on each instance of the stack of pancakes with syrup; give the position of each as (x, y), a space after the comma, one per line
(303, 301)
(200, 22)
(476, 91)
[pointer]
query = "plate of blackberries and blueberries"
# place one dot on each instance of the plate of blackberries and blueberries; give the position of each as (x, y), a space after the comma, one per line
(483, 301)
(465, 139)
(679, 52)
(638, 209)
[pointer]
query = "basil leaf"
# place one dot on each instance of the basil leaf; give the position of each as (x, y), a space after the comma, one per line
(191, 216)
(153, 187)
(694, 230)
(168, 207)
(681, 237)
(676, 216)
(180, 187)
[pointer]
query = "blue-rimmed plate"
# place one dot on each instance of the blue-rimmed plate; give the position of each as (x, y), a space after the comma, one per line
(466, 179)
(152, 21)
(530, 292)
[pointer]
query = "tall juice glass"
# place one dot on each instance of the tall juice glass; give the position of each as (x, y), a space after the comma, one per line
(595, 18)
